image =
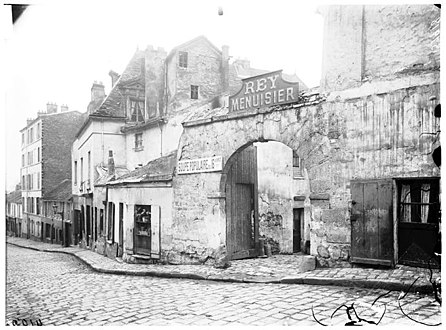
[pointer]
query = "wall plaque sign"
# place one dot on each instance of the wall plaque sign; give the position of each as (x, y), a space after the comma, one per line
(209, 164)
(264, 90)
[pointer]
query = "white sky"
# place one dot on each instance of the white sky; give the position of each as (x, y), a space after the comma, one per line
(56, 50)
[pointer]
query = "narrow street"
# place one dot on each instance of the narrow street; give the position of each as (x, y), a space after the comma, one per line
(57, 289)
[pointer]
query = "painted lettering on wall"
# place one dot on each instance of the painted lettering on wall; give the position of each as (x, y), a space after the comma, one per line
(210, 164)
(264, 90)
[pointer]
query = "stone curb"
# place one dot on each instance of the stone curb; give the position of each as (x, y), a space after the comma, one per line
(355, 283)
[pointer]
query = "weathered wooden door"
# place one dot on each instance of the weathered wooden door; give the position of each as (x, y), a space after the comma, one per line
(241, 205)
(372, 222)
(121, 230)
(156, 226)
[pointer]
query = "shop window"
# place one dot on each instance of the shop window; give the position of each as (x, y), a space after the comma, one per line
(182, 62)
(418, 201)
(143, 230)
(297, 165)
(138, 142)
(194, 92)
(136, 111)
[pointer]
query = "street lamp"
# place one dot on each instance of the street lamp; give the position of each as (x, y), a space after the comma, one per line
(61, 214)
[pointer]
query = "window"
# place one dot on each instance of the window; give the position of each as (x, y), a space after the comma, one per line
(38, 155)
(82, 170)
(182, 63)
(101, 221)
(75, 172)
(111, 222)
(194, 92)
(37, 205)
(23, 183)
(30, 157)
(23, 139)
(419, 201)
(31, 134)
(38, 131)
(137, 110)
(23, 160)
(297, 165)
(89, 165)
(138, 142)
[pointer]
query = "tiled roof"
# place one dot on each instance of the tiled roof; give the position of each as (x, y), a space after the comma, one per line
(160, 169)
(112, 105)
(61, 192)
(104, 177)
(14, 197)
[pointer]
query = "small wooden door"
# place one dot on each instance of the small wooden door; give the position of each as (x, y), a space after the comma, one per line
(155, 227)
(297, 232)
(372, 222)
(121, 230)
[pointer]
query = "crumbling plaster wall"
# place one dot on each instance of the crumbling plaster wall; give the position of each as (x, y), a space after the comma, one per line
(275, 187)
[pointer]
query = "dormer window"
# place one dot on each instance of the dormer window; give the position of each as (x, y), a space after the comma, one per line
(136, 111)
(182, 59)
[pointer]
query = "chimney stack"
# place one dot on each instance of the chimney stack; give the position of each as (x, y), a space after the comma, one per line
(114, 76)
(111, 163)
(63, 108)
(29, 121)
(51, 108)
(97, 92)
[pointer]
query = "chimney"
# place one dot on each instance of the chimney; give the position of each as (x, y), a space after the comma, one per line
(51, 108)
(114, 76)
(63, 108)
(111, 163)
(97, 92)
(29, 121)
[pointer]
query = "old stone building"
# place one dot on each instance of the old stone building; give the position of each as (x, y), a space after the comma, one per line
(370, 190)
(124, 155)
(46, 142)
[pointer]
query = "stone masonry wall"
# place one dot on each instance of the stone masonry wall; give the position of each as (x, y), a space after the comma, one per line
(367, 42)
(373, 131)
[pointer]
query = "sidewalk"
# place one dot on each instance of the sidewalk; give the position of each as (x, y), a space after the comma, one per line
(285, 269)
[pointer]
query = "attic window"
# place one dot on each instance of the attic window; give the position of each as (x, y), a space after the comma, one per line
(137, 110)
(182, 59)
(194, 92)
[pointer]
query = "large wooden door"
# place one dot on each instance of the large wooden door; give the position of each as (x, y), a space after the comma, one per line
(372, 222)
(241, 205)
(142, 231)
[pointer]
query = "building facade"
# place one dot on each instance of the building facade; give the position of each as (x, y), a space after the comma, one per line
(364, 140)
(13, 212)
(45, 140)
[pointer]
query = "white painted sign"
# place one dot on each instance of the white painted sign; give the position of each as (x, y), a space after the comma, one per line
(210, 164)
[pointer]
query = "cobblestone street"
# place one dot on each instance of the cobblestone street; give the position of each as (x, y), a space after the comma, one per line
(58, 289)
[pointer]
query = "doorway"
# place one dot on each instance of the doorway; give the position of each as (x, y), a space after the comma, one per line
(298, 215)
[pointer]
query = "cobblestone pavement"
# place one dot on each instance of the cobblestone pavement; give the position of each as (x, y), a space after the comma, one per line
(58, 289)
(278, 268)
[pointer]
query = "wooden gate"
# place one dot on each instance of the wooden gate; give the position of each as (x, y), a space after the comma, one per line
(372, 222)
(242, 205)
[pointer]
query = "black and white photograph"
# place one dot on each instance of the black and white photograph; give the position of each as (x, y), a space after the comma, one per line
(221, 163)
